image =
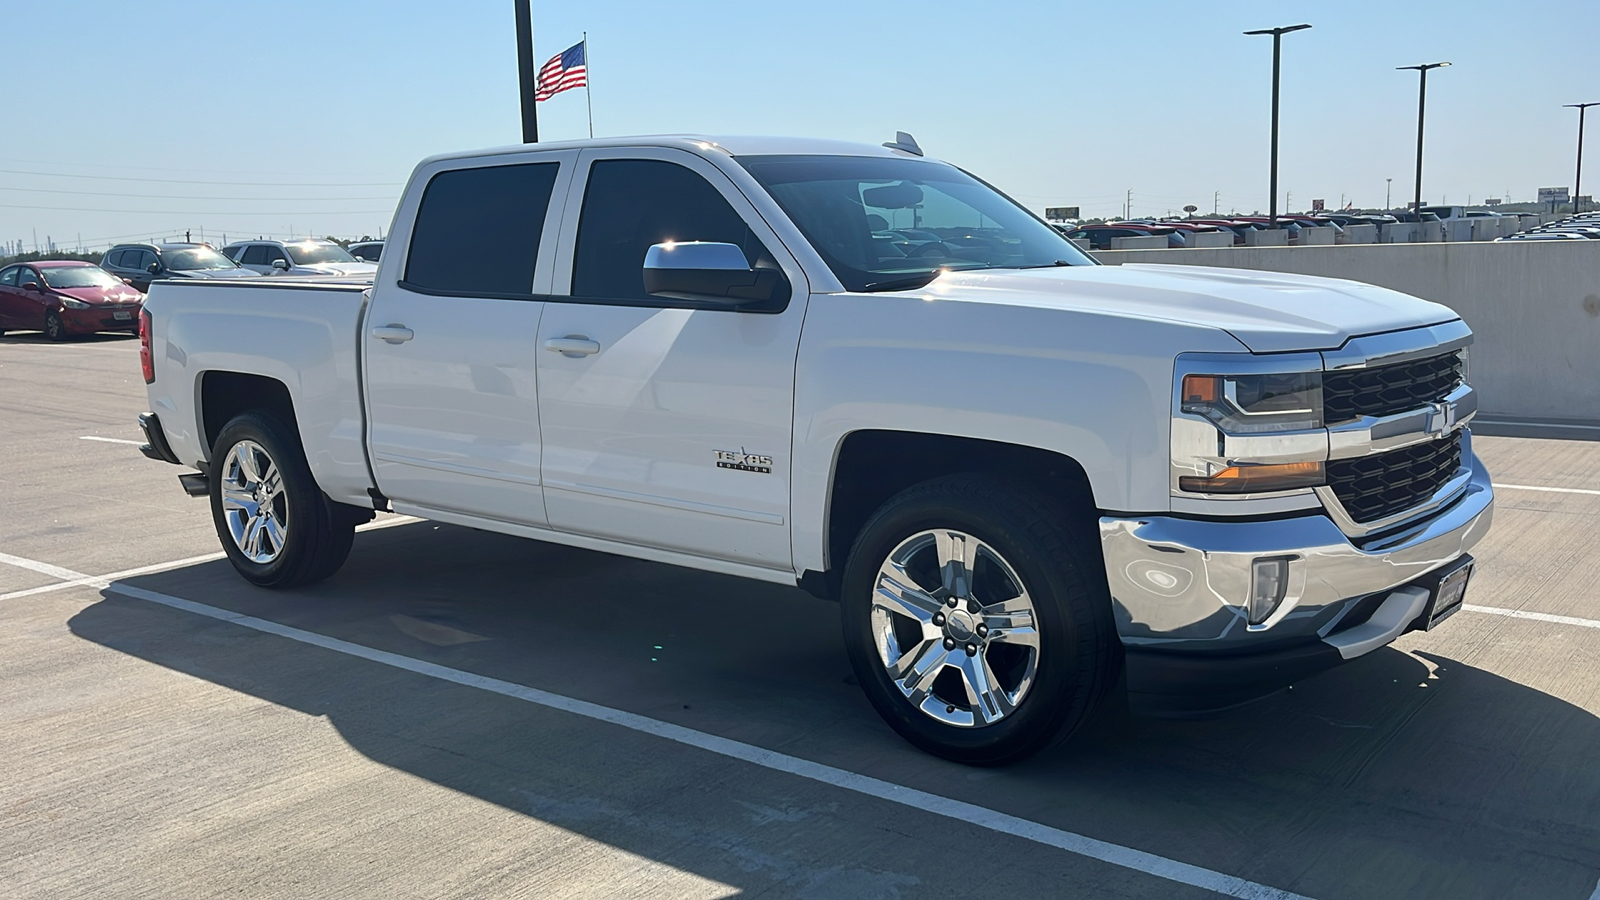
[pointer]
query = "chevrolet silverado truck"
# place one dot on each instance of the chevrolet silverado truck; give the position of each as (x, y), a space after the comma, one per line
(1031, 482)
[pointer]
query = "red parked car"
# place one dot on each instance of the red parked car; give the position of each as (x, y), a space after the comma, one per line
(66, 297)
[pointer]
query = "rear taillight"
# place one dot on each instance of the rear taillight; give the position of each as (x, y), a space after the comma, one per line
(147, 360)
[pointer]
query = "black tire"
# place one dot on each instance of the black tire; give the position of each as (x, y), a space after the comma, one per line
(54, 328)
(1050, 546)
(317, 531)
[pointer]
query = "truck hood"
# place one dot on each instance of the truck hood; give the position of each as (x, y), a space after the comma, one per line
(358, 269)
(1268, 312)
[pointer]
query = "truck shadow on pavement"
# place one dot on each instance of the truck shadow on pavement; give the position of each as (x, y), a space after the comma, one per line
(1397, 775)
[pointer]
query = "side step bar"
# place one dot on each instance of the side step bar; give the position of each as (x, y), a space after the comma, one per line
(195, 484)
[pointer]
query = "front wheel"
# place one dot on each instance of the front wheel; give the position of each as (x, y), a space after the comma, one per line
(277, 527)
(54, 328)
(977, 620)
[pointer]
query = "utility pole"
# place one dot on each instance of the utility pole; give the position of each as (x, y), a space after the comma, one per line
(1216, 203)
(1388, 187)
(527, 75)
(1422, 104)
(1127, 205)
(1577, 180)
(1277, 45)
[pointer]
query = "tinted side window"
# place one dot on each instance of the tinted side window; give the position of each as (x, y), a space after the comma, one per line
(478, 230)
(254, 255)
(141, 259)
(114, 258)
(630, 204)
(271, 254)
(9, 276)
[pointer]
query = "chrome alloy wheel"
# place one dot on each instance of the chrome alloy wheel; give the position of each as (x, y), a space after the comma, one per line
(254, 503)
(955, 628)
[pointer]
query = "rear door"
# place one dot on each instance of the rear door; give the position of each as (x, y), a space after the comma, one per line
(451, 338)
(669, 427)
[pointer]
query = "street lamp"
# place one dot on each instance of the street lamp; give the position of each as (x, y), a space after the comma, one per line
(1388, 185)
(1422, 102)
(1277, 43)
(1577, 180)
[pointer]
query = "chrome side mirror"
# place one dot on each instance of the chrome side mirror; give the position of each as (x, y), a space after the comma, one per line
(709, 272)
(282, 265)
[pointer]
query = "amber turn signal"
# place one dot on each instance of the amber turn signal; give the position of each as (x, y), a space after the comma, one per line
(1205, 389)
(1255, 479)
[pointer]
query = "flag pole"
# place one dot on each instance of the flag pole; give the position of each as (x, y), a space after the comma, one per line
(588, 76)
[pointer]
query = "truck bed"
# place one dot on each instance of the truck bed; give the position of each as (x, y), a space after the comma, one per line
(302, 333)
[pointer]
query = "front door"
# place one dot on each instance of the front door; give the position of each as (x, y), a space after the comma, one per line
(666, 425)
(450, 340)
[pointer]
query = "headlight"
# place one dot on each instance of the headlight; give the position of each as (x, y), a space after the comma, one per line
(70, 303)
(1255, 404)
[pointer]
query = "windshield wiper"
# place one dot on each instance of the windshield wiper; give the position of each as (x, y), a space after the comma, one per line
(922, 279)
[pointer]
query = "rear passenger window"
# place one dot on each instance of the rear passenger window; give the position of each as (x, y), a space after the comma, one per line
(9, 276)
(477, 230)
(254, 255)
(630, 204)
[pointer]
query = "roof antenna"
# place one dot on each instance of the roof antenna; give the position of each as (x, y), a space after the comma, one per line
(904, 141)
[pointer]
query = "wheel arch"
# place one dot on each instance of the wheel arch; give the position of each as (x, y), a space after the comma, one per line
(871, 465)
(223, 395)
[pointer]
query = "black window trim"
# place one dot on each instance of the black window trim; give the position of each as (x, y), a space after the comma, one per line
(754, 306)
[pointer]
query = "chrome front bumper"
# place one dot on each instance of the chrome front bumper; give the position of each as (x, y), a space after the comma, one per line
(1181, 584)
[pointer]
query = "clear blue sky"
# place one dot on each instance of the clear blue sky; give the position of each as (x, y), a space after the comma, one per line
(309, 116)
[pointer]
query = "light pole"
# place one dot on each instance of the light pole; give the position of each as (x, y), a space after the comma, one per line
(1277, 44)
(1388, 188)
(1422, 103)
(1577, 180)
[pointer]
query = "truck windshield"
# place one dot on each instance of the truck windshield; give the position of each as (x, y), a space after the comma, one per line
(884, 223)
(311, 254)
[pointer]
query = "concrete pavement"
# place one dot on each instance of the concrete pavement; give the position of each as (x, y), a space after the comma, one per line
(158, 751)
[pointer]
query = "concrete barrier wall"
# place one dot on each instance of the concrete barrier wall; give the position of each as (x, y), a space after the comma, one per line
(1142, 242)
(1361, 234)
(1533, 305)
(1210, 239)
(1274, 237)
(1316, 237)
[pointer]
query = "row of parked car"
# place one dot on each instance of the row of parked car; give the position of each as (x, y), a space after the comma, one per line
(1178, 232)
(63, 298)
(1581, 227)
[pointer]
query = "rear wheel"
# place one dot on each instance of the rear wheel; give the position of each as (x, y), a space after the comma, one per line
(54, 328)
(977, 621)
(277, 527)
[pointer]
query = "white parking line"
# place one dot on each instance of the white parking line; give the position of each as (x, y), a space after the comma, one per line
(1549, 490)
(90, 437)
(1534, 616)
(983, 817)
(40, 567)
(101, 581)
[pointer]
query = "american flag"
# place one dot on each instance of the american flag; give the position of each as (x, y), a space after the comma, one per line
(564, 71)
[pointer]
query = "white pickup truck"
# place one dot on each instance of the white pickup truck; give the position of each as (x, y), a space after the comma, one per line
(1029, 480)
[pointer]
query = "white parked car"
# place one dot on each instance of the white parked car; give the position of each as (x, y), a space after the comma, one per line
(308, 257)
(1021, 474)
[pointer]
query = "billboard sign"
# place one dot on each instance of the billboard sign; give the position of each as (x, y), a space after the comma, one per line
(1554, 195)
(1061, 213)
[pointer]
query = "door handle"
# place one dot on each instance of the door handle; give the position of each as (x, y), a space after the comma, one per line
(393, 333)
(573, 345)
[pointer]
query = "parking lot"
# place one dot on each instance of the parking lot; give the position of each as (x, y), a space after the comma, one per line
(459, 713)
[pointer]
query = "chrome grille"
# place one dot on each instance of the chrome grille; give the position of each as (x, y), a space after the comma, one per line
(1381, 485)
(1386, 390)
